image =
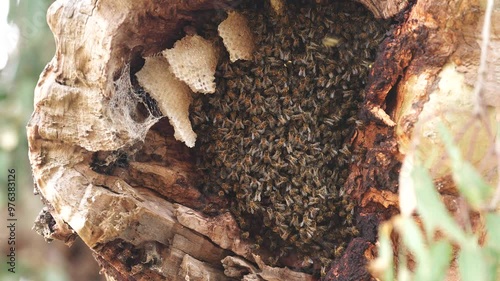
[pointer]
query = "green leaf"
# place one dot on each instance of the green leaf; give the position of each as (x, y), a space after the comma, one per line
(493, 230)
(432, 261)
(493, 259)
(383, 265)
(413, 239)
(404, 274)
(441, 255)
(468, 180)
(492, 246)
(472, 263)
(471, 184)
(431, 209)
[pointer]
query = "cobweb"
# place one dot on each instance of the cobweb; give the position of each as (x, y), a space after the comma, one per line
(132, 113)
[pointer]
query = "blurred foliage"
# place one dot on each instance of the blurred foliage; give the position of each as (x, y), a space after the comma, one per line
(17, 83)
(35, 48)
(435, 237)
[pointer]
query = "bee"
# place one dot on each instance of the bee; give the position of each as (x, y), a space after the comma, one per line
(266, 83)
(259, 110)
(290, 158)
(280, 207)
(306, 189)
(345, 150)
(280, 142)
(288, 200)
(284, 234)
(307, 261)
(279, 217)
(245, 235)
(313, 212)
(267, 222)
(253, 207)
(293, 238)
(273, 260)
(320, 218)
(284, 55)
(322, 192)
(270, 213)
(354, 232)
(266, 158)
(238, 124)
(323, 271)
(297, 208)
(240, 196)
(257, 196)
(257, 71)
(280, 181)
(331, 41)
(338, 251)
(295, 220)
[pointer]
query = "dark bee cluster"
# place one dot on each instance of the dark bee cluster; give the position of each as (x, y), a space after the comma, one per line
(274, 138)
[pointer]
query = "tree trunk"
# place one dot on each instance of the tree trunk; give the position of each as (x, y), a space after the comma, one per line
(144, 218)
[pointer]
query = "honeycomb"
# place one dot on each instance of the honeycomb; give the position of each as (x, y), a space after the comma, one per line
(237, 37)
(193, 60)
(173, 96)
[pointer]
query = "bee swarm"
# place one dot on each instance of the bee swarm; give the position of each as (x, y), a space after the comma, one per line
(274, 138)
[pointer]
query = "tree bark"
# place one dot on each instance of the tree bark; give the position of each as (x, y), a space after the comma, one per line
(146, 220)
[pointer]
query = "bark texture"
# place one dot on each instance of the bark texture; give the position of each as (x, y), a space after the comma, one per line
(145, 220)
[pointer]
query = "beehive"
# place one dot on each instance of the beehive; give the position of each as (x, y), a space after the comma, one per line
(275, 136)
